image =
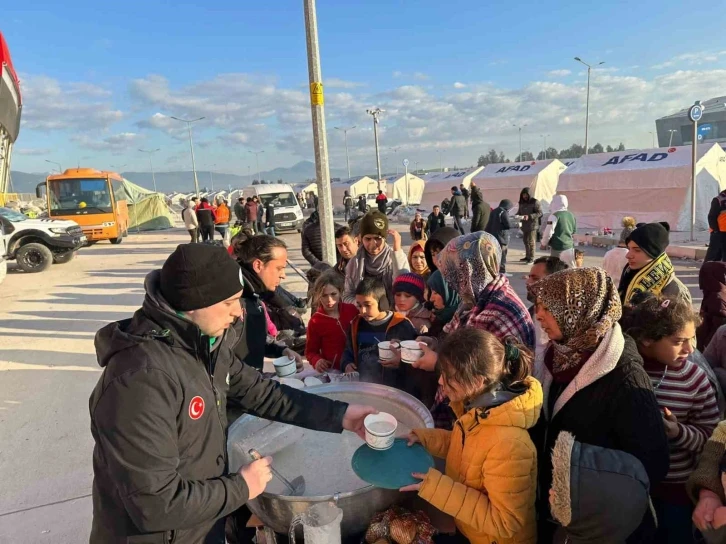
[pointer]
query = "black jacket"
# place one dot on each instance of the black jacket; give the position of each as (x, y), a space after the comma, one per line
(530, 208)
(434, 223)
(239, 212)
(205, 217)
(158, 420)
(312, 243)
(270, 215)
(499, 223)
(718, 204)
(617, 411)
(255, 348)
(458, 205)
(465, 194)
(362, 205)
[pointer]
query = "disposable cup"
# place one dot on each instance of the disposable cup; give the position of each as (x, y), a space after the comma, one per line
(384, 351)
(380, 430)
(410, 351)
(284, 366)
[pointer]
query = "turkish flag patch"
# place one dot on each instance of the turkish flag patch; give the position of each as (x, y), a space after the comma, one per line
(196, 408)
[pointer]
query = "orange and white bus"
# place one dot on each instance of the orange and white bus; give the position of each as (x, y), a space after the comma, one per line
(94, 199)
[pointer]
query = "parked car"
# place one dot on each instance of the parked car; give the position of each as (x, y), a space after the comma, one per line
(35, 244)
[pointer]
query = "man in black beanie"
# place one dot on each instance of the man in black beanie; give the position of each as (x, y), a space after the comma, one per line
(649, 268)
(158, 413)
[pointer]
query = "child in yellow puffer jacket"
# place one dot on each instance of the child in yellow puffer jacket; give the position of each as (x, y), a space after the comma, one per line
(491, 463)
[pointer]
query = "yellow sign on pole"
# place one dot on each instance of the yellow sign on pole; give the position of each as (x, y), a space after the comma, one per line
(316, 94)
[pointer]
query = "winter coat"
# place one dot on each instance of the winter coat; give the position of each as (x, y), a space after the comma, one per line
(312, 243)
(490, 483)
(421, 318)
(707, 474)
(441, 236)
(611, 404)
(601, 494)
(561, 226)
(260, 211)
(434, 223)
(326, 335)
(718, 205)
(251, 208)
(221, 215)
(159, 424)
(270, 215)
(712, 281)
(381, 201)
(362, 205)
(499, 223)
(458, 205)
(399, 265)
(189, 217)
(480, 211)
(465, 194)
(417, 230)
(256, 347)
(532, 209)
(347, 202)
(205, 215)
(240, 213)
(614, 262)
(715, 354)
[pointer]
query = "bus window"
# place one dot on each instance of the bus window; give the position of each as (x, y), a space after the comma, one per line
(73, 195)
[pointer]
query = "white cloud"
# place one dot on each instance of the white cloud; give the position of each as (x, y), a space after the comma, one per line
(335, 83)
(32, 151)
(116, 142)
(420, 76)
(559, 73)
(459, 85)
(692, 59)
(416, 76)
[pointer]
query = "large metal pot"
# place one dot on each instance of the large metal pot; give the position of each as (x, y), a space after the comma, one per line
(295, 452)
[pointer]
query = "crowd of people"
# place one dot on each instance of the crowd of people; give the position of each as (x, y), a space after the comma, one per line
(592, 413)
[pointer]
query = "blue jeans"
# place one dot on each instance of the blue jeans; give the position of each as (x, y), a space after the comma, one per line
(271, 231)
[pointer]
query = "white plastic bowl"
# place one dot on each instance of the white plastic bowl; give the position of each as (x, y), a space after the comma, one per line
(410, 351)
(284, 366)
(384, 351)
(380, 430)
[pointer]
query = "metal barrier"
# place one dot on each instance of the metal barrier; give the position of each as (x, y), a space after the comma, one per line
(10, 197)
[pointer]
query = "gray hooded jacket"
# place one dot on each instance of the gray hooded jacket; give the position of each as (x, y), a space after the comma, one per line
(601, 495)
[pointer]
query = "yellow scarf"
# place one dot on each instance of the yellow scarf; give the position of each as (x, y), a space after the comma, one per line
(653, 277)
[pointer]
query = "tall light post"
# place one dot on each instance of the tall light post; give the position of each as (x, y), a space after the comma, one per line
(60, 168)
(395, 159)
(257, 158)
(191, 148)
(520, 127)
(441, 167)
(670, 140)
(249, 173)
(151, 152)
(652, 135)
(345, 137)
(544, 145)
(211, 175)
(320, 142)
(376, 112)
(118, 167)
(416, 163)
(587, 104)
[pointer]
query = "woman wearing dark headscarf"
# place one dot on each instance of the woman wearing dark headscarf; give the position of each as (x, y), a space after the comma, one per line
(436, 244)
(593, 381)
(444, 301)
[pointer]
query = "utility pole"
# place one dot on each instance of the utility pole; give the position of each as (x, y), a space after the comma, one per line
(60, 168)
(376, 112)
(211, 175)
(191, 147)
(544, 145)
(153, 177)
(320, 143)
(257, 157)
(652, 134)
(587, 104)
(345, 136)
(670, 141)
(520, 139)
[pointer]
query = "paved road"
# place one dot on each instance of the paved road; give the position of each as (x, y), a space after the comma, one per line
(48, 369)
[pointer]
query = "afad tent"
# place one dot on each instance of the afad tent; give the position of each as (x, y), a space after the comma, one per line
(355, 186)
(438, 186)
(147, 210)
(648, 184)
(408, 189)
(506, 180)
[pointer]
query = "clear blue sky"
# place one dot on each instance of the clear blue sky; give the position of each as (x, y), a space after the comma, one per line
(93, 52)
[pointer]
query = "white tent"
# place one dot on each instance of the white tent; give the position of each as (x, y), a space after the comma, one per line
(506, 180)
(438, 186)
(648, 184)
(362, 185)
(408, 190)
(307, 188)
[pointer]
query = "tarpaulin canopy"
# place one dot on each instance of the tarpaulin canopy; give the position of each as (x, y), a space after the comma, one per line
(409, 189)
(147, 210)
(506, 180)
(648, 184)
(438, 186)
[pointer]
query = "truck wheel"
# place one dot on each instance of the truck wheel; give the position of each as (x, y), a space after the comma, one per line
(116, 241)
(34, 257)
(63, 257)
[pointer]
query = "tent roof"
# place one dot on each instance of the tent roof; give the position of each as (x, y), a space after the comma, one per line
(454, 177)
(352, 181)
(514, 169)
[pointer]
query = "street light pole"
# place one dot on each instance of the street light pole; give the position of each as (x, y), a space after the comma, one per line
(520, 140)
(376, 112)
(587, 105)
(211, 175)
(670, 141)
(320, 142)
(257, 158)
(441, 168)
(544, 145)
(60, 168)
(345, 136)
(191, 148)
(151, 152)
(652, 134)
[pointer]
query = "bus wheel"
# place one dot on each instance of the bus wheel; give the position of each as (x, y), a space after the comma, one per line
(63, 257)
(116, 241)
(34, 257)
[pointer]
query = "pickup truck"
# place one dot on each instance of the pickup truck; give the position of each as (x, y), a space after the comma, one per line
(37, 243)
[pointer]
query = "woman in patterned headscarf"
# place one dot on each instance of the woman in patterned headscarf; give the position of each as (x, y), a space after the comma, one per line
(593, 380)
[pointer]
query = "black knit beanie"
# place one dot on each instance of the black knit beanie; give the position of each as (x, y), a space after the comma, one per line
(651, 238)
(197, 276)
(374, 222)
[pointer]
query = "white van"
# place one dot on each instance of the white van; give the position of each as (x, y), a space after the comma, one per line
(288, 215)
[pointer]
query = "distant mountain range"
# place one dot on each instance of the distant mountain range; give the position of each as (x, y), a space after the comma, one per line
(168, 182)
